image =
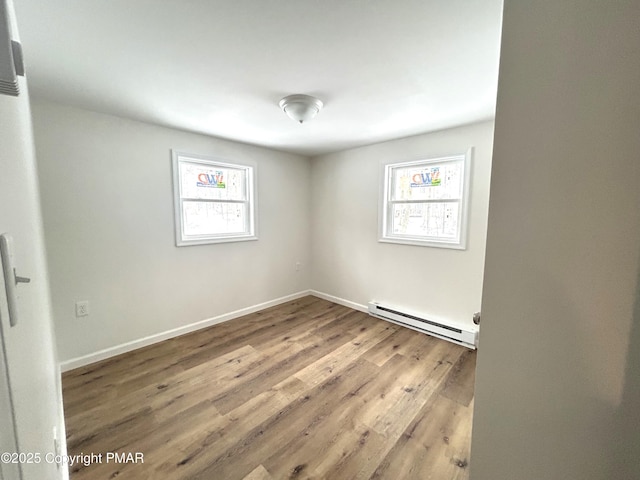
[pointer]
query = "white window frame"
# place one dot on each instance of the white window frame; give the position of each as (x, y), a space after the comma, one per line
(386, 234)
(178, 158)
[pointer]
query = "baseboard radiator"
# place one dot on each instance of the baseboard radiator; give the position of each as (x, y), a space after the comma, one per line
(465, 337)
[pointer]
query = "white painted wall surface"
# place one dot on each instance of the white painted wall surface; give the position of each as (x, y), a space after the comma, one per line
(350, 263)
(108, 212)
(558, 380)
(29, 345)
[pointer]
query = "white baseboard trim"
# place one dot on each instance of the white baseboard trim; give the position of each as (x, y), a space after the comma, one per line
(67, 365)
(340, 301)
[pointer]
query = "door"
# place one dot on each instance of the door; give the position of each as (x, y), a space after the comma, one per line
(8, 440)
(30, 391)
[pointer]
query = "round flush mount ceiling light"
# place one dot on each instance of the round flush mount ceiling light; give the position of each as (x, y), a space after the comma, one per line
(301, 107)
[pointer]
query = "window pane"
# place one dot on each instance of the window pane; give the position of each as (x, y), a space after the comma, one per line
(212, 182)
(431, 181)
(207, 218)
(426, 220)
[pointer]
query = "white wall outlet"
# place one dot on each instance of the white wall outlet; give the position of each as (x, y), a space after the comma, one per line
(298, 266)
(82, 308)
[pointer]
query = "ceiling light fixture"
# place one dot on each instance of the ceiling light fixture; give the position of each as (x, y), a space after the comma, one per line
(301, 107)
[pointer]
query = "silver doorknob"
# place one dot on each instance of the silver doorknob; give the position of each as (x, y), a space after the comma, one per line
(20, 279)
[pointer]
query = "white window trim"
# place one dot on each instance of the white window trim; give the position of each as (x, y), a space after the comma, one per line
(384, 205)
(251, 168)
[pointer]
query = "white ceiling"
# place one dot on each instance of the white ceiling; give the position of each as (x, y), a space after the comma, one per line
(384, 69)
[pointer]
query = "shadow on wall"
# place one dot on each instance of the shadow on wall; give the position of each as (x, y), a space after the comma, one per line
(569, 429)
(572, 423)
(626, 453)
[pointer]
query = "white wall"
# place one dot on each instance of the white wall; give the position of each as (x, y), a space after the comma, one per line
(557, 391)
(350, 263)
(108, 211)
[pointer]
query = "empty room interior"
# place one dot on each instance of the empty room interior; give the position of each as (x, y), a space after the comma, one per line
(261, 240)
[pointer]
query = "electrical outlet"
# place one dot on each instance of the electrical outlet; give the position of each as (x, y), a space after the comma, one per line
(82, 308)
(297, 266)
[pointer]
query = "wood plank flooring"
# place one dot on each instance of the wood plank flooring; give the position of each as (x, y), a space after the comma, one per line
(305, 390)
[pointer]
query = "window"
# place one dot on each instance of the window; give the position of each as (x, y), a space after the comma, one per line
(424, 202)
(214, 200)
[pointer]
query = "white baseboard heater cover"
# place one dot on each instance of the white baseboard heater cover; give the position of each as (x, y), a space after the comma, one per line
(466, 338)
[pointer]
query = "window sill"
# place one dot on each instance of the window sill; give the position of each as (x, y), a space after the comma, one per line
(423, 243)
(206, 241)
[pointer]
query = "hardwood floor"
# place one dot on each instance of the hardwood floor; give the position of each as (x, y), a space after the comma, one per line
(305, 390)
